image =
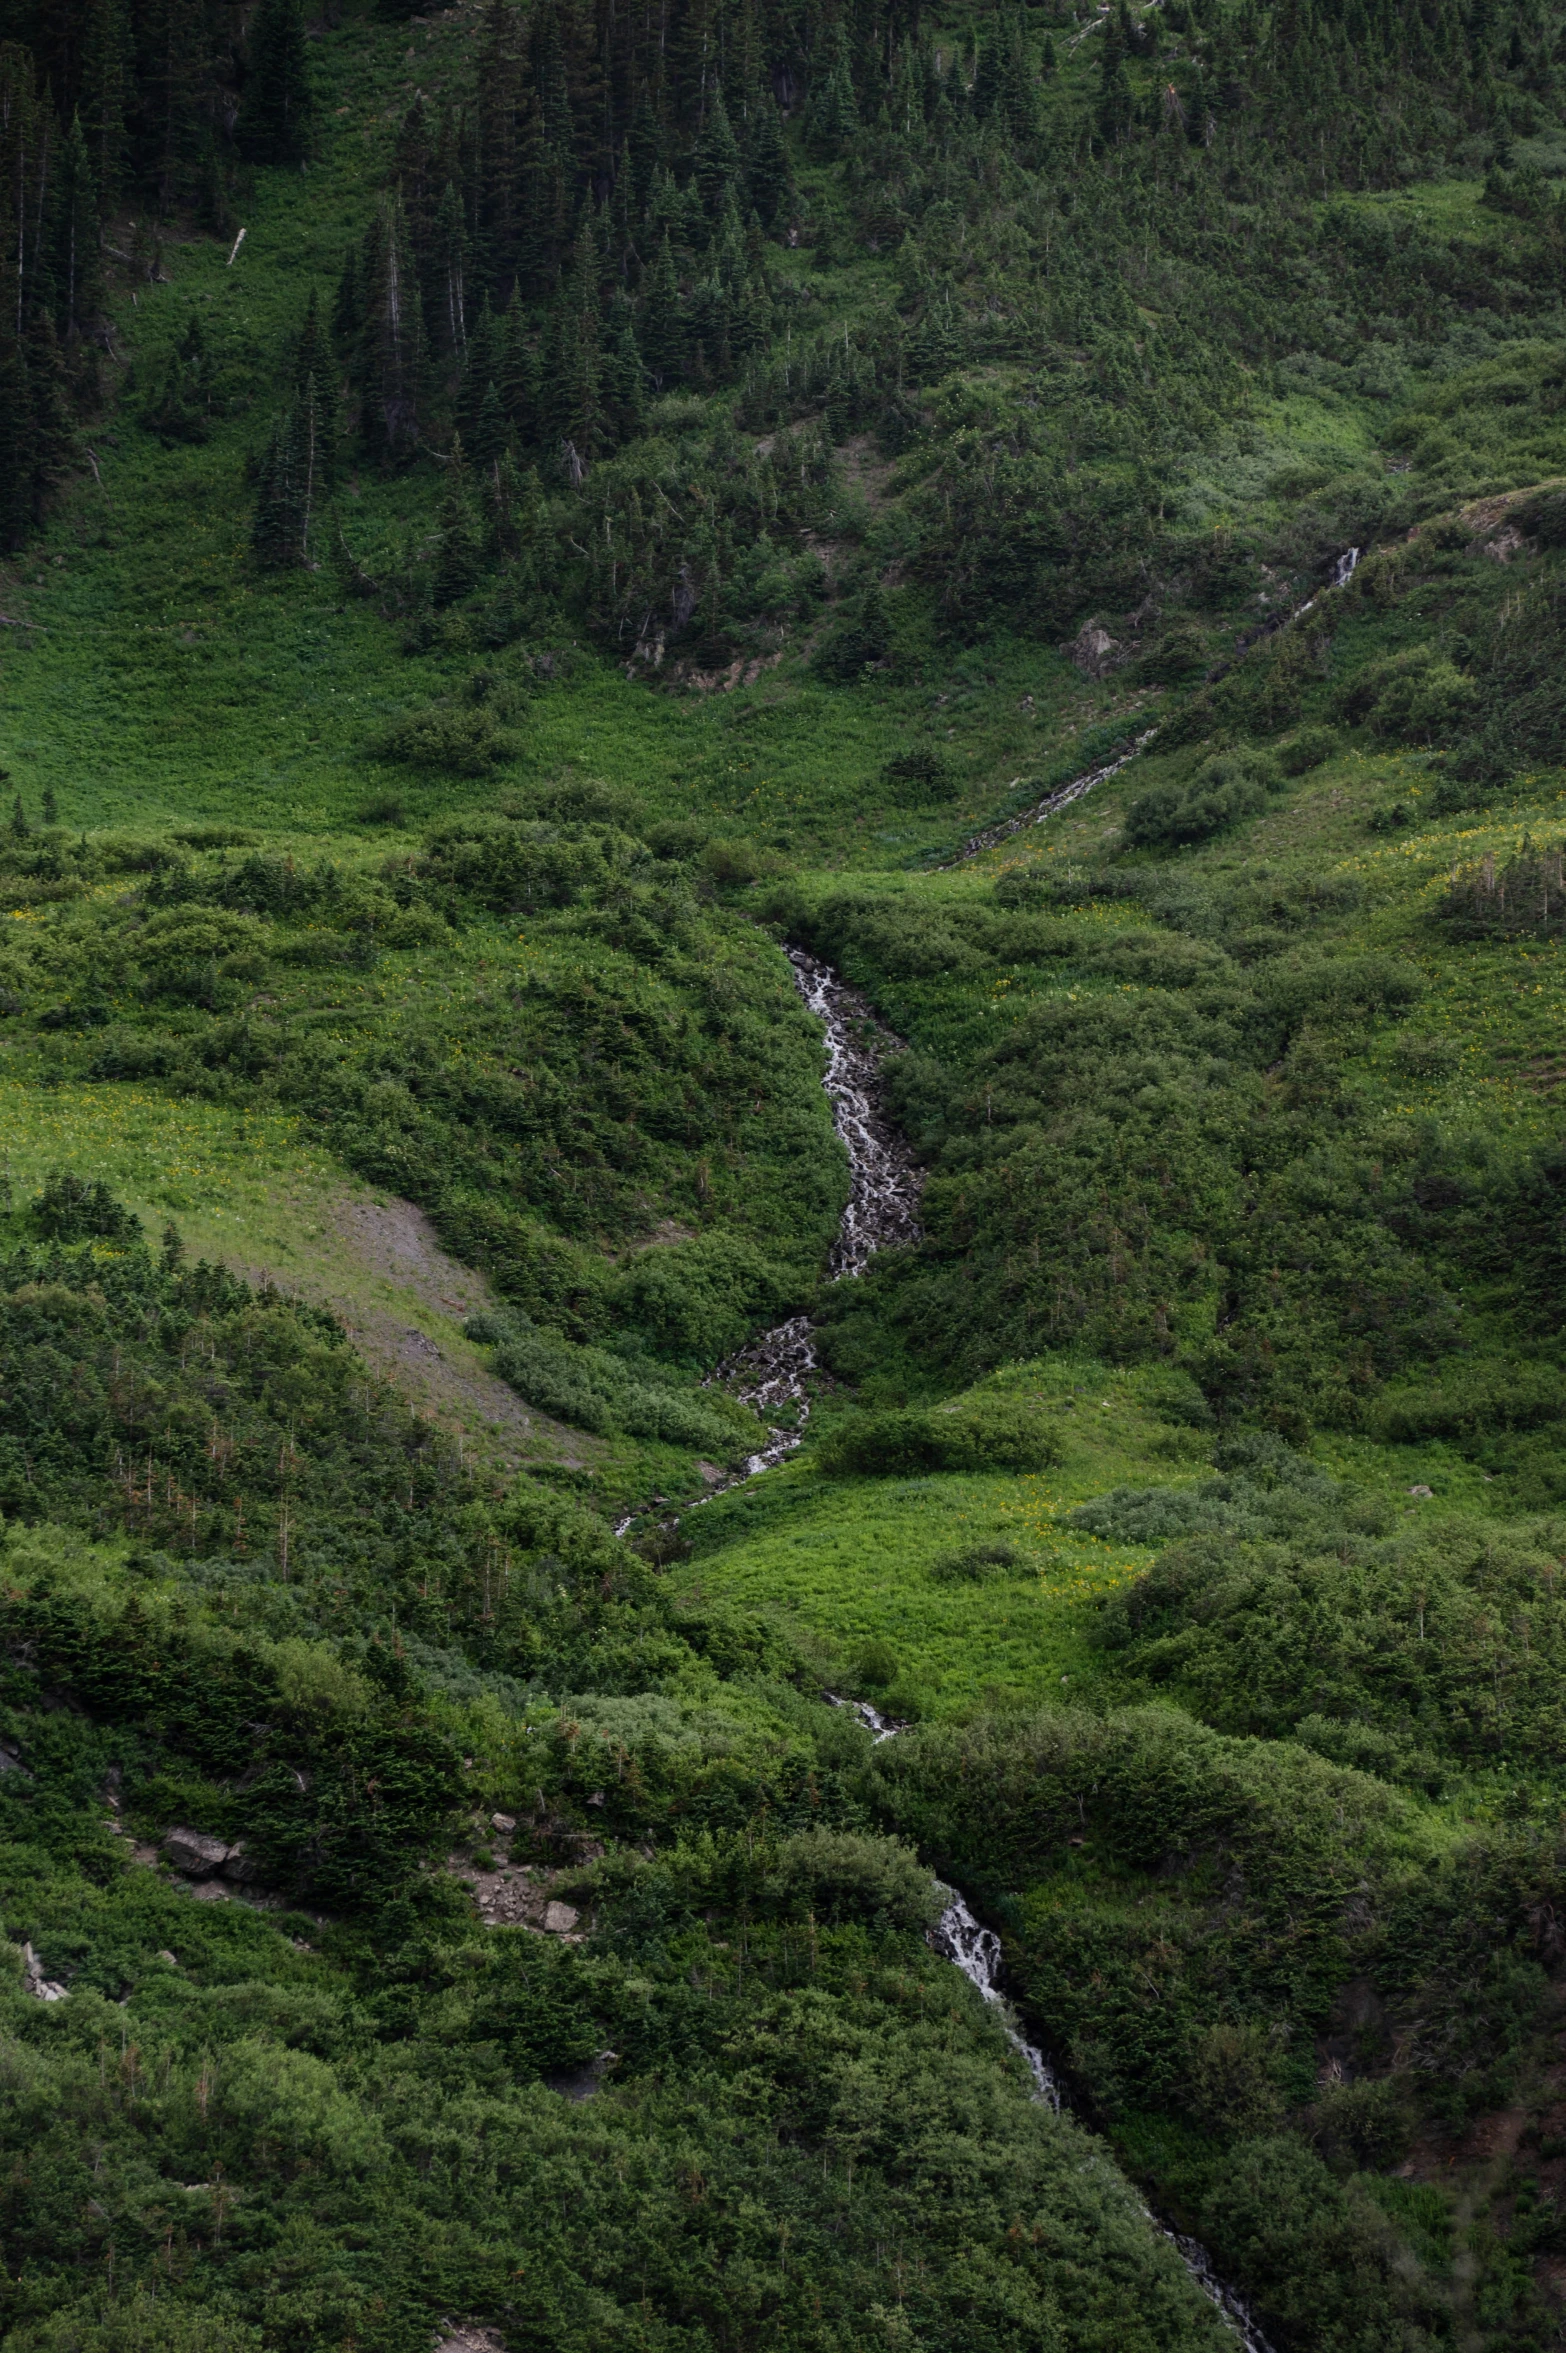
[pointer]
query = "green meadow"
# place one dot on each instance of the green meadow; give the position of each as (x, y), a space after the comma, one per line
(511, 519)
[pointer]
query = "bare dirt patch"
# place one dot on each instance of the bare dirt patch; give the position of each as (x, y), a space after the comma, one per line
(377, 1263)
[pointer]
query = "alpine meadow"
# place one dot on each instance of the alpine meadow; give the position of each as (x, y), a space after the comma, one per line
(783, 1176)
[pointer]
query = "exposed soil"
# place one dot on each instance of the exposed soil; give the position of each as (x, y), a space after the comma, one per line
(386, 1246)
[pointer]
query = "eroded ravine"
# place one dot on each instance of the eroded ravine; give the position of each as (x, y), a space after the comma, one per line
(772, 1374)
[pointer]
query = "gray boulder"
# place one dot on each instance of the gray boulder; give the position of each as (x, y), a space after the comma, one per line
(195, 1852)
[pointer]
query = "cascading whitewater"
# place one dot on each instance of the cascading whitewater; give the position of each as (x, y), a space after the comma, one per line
(771, 1374)
(1051, 804)
(1343, 571)
(976, 1951)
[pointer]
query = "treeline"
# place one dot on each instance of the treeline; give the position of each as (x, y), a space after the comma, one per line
(101, 103)
(568, 260)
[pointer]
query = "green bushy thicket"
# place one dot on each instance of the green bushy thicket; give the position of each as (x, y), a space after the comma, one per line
(1227, 787)
(990, 1434)
(248, 2126)
(1430, 1647)
(599, 1391)
(652, 1064)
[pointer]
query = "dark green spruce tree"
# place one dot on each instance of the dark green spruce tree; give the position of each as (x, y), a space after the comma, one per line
(458, 555)
(276, 107)
(291, 486)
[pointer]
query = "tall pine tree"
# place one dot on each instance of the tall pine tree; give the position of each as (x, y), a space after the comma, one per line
(276, 107)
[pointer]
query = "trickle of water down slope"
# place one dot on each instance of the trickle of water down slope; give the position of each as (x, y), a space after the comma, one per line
(883, 1199)
(1343, 570)
(772, 1374)
(976, 1951)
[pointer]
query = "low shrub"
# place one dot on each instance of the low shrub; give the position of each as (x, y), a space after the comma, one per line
(598, 1391)
(977, 1564)
(926, 770)
(1418, 696)
(1225, 789)
(1311, 748)
(991, 1435)
(467, 741)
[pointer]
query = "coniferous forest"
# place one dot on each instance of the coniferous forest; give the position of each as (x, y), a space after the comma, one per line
(813, 733)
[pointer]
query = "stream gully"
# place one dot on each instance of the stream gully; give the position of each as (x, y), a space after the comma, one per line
(1343, 571)
(772, 1373)
(883, 1200)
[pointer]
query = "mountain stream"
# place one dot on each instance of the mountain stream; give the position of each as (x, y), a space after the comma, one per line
(772, 1373)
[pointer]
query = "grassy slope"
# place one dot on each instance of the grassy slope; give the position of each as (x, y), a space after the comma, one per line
(866, 1546)
(162, 682)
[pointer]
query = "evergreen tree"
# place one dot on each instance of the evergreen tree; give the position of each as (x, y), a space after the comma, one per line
(458, 550)
(290, 486)
(16, 446)
(767, 178)
(54, 441)
(492, 168)
(542, 211)
(644, 147)
(662, 329)
(177, 97)
(624, 381)
(276, 106)
(715, 159)
(77, 270)
(180, 407)
(489, 429)
(480, 369)
(1116, 105)
(314, 366)
(108, 64)
(575, 395)
(347, 316)
(390, 359)
(832, 116)
(449, 272)
(517, 379)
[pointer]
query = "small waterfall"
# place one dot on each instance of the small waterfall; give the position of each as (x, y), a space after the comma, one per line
(882, 1727)
(1050, 806)
(1343, 571)
(771, 1372)
(976, 1951)
(883, 1182)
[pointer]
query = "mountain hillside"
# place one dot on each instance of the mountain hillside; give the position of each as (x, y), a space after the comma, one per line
(514, 522)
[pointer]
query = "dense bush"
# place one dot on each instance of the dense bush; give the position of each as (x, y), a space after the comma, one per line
(599, 1391)
(987, 1435)
(1418, 696)
(1226, 787)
